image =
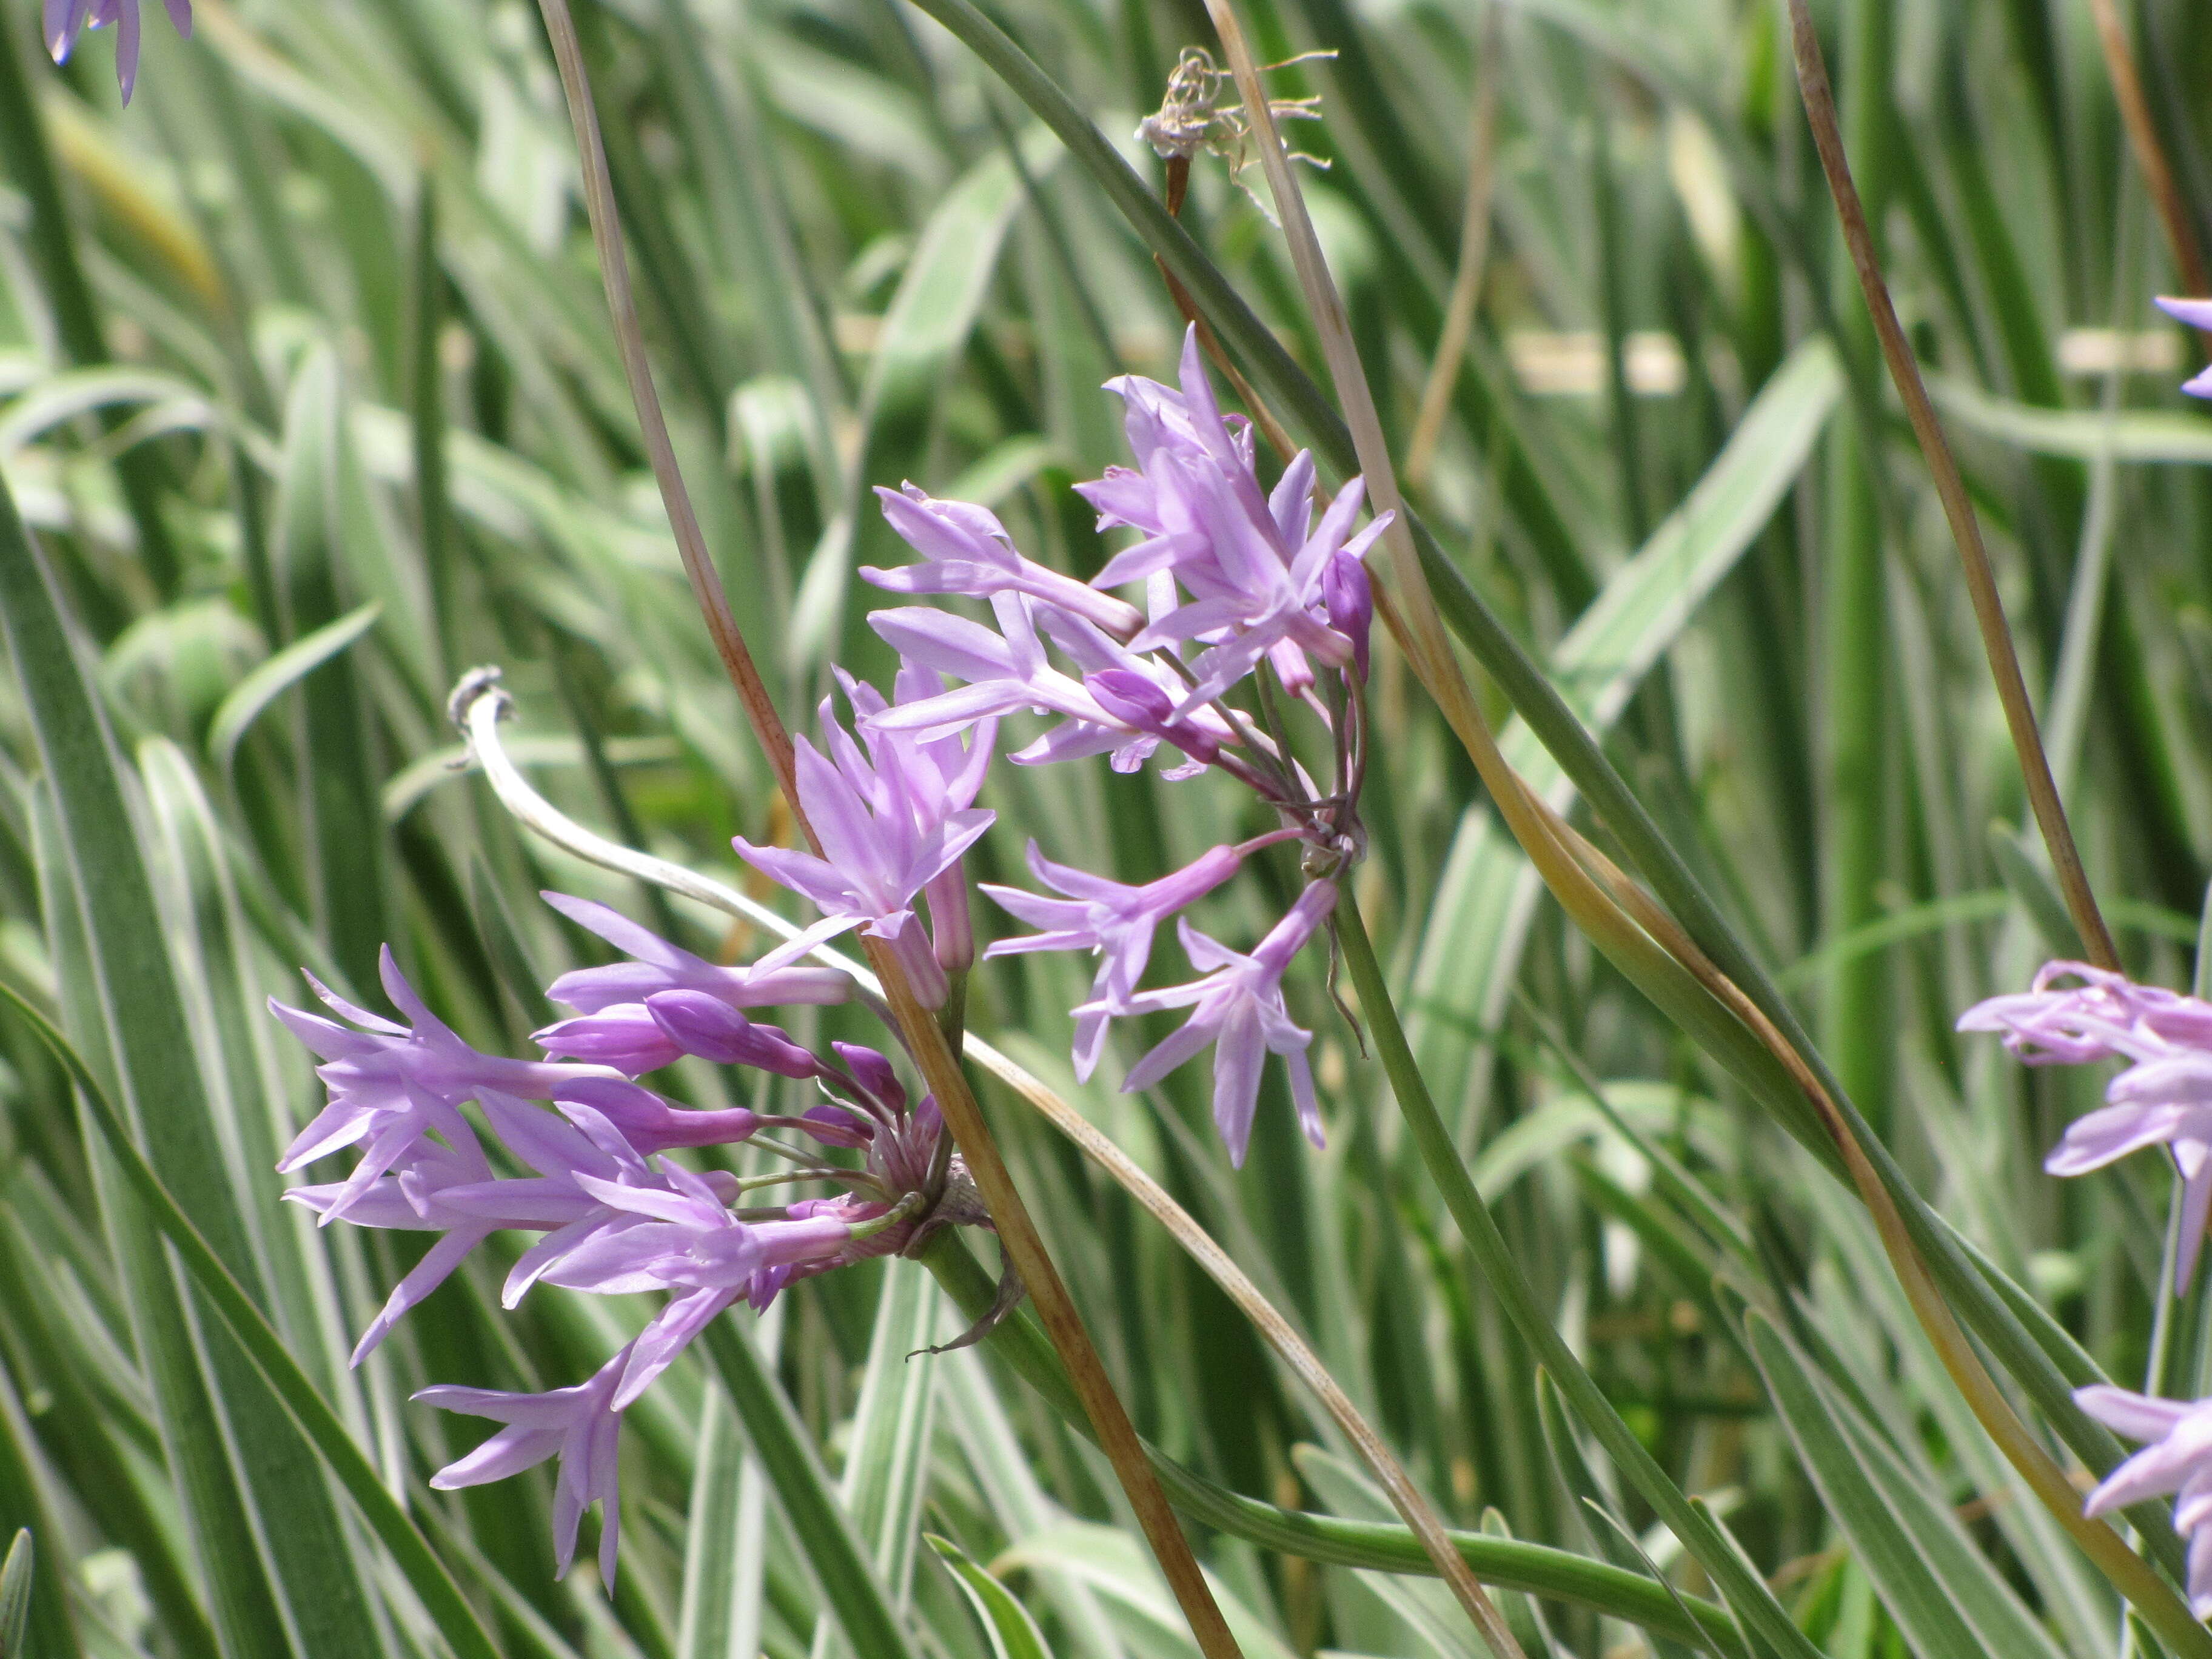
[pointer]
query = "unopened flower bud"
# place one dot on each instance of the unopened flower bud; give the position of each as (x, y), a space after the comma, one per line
(1349, 597)
(1144, 703)
(702, 1026)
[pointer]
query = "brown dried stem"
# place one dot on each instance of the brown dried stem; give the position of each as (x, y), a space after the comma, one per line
(940, 1066)
(2143, 139)
(1473, 257)
(1951, 490)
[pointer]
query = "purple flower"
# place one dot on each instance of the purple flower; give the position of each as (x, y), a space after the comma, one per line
(1253, 562)
(942, 776)
(581, 1425)
(887, 830)
(965, 549)
(1115, 919)
(415, 1200)
(1007, 672)
(1237, 1008)
(390, 1085)
(625, 1037)
(2197, 313)
(2163, 1099)
(777, 980)
(68, 19)
(2177, 1460)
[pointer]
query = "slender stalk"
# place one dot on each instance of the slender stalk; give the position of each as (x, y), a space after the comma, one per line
(939, 1067)
(2143, 139)
(1473, 257)
(1951, 490)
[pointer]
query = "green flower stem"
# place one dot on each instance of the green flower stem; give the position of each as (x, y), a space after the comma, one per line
(1375, 1546)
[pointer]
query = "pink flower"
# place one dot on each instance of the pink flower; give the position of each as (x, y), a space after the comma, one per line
(2178, 1460)
(2163, 1099)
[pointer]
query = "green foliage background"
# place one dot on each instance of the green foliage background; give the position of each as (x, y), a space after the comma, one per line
(307, 397)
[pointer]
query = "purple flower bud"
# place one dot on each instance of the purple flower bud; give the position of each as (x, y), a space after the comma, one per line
(874, 1074)
(1349, 598)
(701, 1025)
(1137, 701)
(624, 1037)
(649, 1123)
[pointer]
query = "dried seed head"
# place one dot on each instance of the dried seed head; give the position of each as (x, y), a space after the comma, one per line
(1192, 116)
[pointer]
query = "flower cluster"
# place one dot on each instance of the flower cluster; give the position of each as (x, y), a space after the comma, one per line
(66, 19)
(613, 1213)
(1239, 584)
(2074, 1014)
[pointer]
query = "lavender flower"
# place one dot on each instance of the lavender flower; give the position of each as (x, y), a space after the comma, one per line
(2178, 1460)
(777, 980)
(66, 19)
(581, 1425)
(1237, 1009)
(2163, 1099)
(965, 549)
(2197, 313)
(1252, 561)
(1110, 918)
(390, 1085)
(1007, 672)
(649, 1123)
(887, 830)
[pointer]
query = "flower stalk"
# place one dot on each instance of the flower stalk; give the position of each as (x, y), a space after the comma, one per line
(1951, 490)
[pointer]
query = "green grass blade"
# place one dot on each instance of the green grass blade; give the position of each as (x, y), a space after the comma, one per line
(251, 697)
(850, 1585)
(1013, 1633)
(15, 1573)
(1943, 1593)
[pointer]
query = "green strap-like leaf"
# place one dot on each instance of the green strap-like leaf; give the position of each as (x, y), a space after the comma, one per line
(15, 1596)
(820, 1527)
(270, 679)
(1013, 1633)
(1943, 1593)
